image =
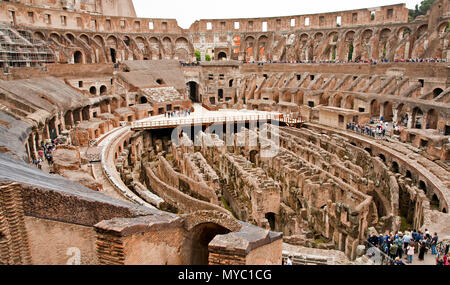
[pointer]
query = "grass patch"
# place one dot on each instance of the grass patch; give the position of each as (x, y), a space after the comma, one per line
(227, 206)
(404, 225)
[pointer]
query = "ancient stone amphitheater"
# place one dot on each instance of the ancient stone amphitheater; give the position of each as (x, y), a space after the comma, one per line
(158, 158)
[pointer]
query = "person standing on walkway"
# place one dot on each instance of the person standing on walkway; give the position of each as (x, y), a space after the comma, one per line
(410, 252)
(434, 242)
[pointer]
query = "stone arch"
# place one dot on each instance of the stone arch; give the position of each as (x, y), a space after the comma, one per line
(167, 47)
(155, 48)
(423, 186)
(103, 90)
(99, 39)
(202, 227)
(84, 38)
(349, 102)
(432, 119)
(403, 32)
(367, 35)
(222, 56)
(111, 41)
(143, 100)
(421, 30)
(56, 37)
(71, 37)
(193, 89)
(435, 203)
(271, 218)
(417, 118)
(78, 57)
(38, 35)
(437, 92)
(442, 28)
(93, 90)
(374, 108)
(395, 167)
(337, 100)
(388, 113)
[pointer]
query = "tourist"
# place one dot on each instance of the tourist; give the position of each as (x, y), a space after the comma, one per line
(398, 261)
(447, 259)
(289, 261)
(393, 250)
(410, 252)
(422, 250)
(440, 258)
(400, 244)
(406, 240)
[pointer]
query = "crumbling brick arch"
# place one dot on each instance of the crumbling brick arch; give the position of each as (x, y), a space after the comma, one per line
(85, 38)
(39, 36)
(349, 102)
(167, 47)
(432, 119)
(100, 40)
(202, 227)
(55, 37)
(155, 47)
(78, 57)
(443, 28)
(71, 37)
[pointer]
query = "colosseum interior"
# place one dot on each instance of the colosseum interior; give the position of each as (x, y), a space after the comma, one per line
(161, 156)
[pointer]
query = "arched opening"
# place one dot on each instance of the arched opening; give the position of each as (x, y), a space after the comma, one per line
(374, 109)
(395, 167)
(383, 158)
(432, 119)
(417, 118)
(444, 211)
(78, 57)
(143, 100)
(113, 55)
(230, 84)
(369, 150)
(434, 204)
(222, 56)
(220, 94)
(271, 219)
(199, 239)
(93, 90)
(408, 174)
(437, 92)
(160, 81)
(68, 119)
(423, 186)
(300, 205)
(103, 90)
(253, 156)
(86, 113)
(193, 92)
(388, 113)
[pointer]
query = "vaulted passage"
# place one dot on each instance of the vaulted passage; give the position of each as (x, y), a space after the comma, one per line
(199, 239)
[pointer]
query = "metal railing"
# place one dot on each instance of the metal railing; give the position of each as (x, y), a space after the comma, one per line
(211, 120)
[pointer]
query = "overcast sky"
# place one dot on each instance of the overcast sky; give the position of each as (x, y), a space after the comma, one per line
(187, 12)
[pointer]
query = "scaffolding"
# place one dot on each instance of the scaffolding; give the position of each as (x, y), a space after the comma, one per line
(20, 49)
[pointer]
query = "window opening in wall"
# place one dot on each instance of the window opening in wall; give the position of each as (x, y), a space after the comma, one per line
(150, 26)
(292, 22)
(264, 26)
(236, 25)
(307, 22)
(338, 21)
(209, 26)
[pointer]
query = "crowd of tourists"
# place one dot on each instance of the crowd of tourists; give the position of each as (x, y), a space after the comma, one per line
(45, 152)
(178, 114)
(405, 245)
